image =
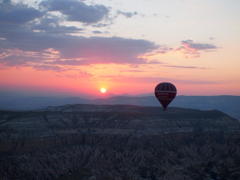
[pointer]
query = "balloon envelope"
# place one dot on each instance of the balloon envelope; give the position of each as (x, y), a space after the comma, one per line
(165, 92)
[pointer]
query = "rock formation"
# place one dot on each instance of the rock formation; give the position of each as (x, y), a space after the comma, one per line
(121, 142)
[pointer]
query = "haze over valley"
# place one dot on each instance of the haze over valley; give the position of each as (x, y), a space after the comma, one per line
(19, 101)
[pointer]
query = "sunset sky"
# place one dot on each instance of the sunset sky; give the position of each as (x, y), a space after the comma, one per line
(125, 46)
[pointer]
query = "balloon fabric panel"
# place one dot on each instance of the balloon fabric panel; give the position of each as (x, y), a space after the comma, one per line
(165, 92)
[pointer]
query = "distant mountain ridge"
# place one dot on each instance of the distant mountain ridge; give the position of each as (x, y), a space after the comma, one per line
(227, 104)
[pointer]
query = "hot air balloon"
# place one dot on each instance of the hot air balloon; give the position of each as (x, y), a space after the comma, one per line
(165, 92)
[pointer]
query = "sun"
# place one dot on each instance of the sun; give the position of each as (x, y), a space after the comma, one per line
(103, 90)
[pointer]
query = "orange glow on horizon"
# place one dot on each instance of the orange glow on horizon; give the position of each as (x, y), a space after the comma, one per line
(50, 82)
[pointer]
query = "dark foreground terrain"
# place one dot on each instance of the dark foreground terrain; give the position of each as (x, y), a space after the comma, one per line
(119, 142)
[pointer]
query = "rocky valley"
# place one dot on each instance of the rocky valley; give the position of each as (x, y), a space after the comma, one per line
(122, 142)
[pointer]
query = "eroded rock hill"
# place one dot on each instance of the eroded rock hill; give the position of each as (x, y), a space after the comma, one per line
(118, 142)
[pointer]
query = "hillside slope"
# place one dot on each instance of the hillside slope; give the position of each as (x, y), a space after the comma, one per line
(118, 142)
(227, 104)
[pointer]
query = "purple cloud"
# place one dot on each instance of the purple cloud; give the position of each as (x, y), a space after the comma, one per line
(97, 32)
(77, 10)
(108, 50)
(27, 30)
(17, 14)
(194, 49)
(47, 33)
(71, 62)
(18, 60)
(155, 80)
(198, 46)
(128, 14)
(51, 25)
(49, 68)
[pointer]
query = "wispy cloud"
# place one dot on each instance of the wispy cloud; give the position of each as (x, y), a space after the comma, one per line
(156, 80)
(47, 68)
(78, 75)
(189, 47)
(185, 67)
(129, 14)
